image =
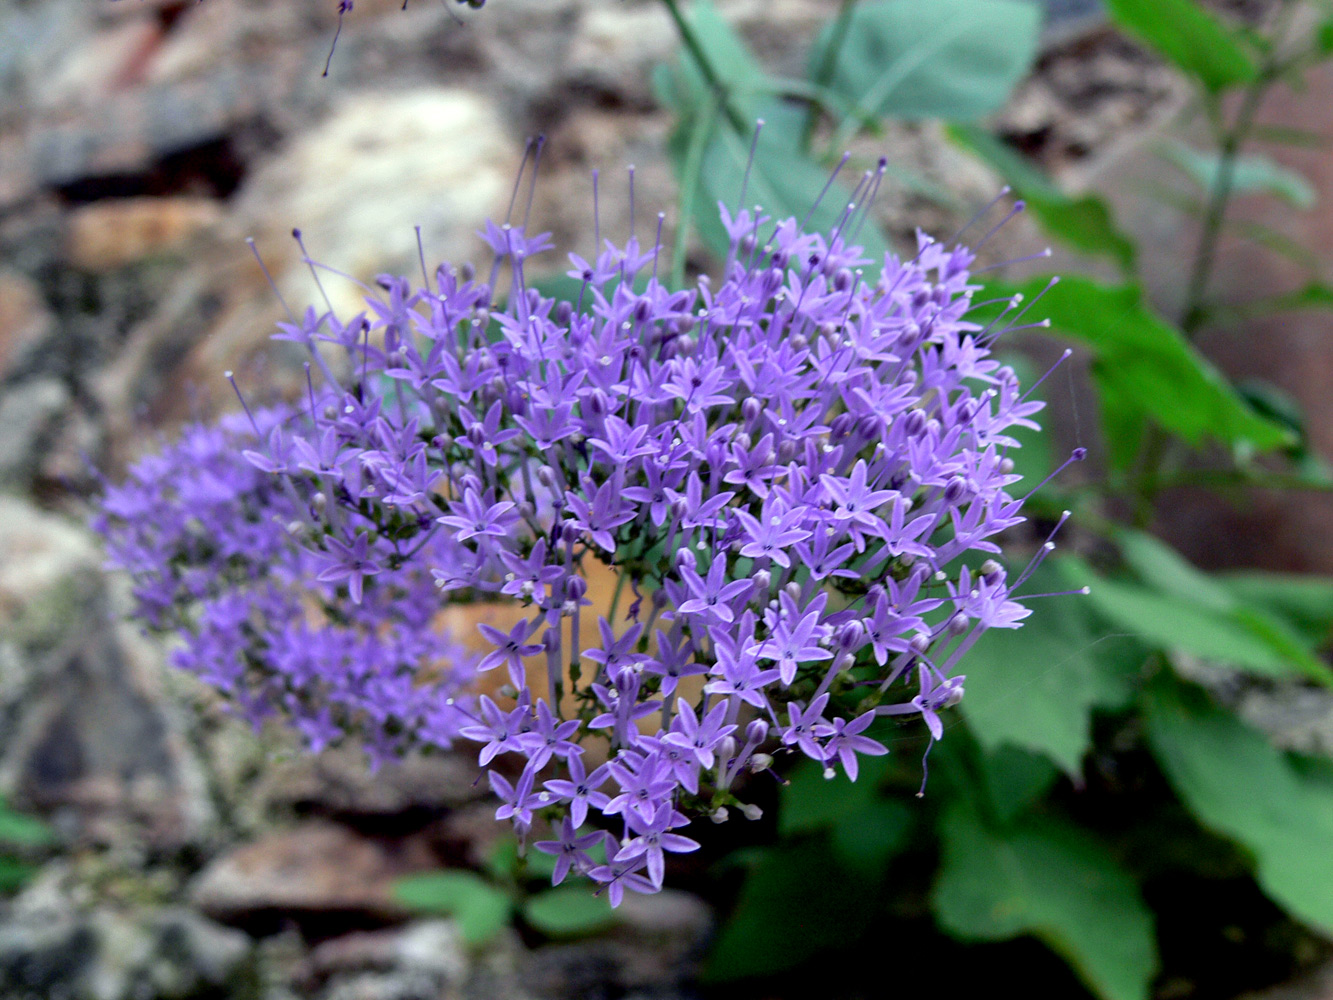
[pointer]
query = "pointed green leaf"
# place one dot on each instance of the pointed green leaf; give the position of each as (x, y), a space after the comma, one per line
(569, 911)
(1189, 36)
(1239, 785)
(1056, 882)
(950, 59)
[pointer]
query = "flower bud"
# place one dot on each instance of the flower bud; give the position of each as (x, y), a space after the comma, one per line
(546, 476)
(850, 635)
(718, 815)
(575, 588)
(562, 313)
(763, 580)
(685, 560)
(751, 811)
(920, 643)
(959, 624)
(756, 732)
(842, 279)
(760, 762)
(914, 422)
(992, 572)
(954, 490)
(751, 409)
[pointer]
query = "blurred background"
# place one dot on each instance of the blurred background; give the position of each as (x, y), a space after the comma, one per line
(152, 847)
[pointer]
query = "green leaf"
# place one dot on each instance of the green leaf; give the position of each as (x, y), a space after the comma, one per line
(1145, 368)
(1188, 36)
(1053, 881)
(1013, 779)
(480, 909)
(1239, 785)
(20, 830)
(1084, 221)
(1306, 602)
(810, 802)
(1252, 174)
(569, 911)
(950, 59)
(1157, 563)
(868, 838)
(1034, 458)
(1240, 637)
(1035, 687)
(799, 901)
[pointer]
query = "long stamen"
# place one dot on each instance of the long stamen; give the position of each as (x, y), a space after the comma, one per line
(305, 256)
(749, 164)
(1004, 191)
(825, 190)
(250, 242)
(343, 7)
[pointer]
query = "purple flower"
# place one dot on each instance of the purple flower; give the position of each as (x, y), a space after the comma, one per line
(581, 790)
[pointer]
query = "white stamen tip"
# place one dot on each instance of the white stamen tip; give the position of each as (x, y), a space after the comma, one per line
(1085, 591)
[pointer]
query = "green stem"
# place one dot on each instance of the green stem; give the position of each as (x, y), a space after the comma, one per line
(706, 68)
(1194, 310)
(824, 71)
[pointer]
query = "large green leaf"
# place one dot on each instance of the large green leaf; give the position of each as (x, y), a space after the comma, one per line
(1145, 368)
(1251, 174)
(1304, 601)
(811, 802)
(1189, 36)
(480, 909)
(1053, 881)
(950, 59)
(1035, 687)
(1083, 221)
(782, 180)
(1237, 636)
(799, 901)
(569, 911)
(1239, 785)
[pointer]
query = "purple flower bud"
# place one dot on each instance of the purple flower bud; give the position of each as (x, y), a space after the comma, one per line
(756, 732)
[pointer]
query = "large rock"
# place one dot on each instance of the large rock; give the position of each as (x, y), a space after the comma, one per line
(318, 873)
(340, 783)
(88, 734)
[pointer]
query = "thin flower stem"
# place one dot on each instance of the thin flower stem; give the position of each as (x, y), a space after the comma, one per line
(710, 73)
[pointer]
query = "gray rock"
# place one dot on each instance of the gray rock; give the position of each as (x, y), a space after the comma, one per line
(86, 731)
(30, 412)
(104, 955)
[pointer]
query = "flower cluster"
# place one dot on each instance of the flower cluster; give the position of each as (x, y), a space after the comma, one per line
(786, 471)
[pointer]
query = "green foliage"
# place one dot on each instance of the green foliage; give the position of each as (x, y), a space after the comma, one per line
(799, 900)
(951, 59)
(1189, 37)
(1146, 371)
(481, 910)
(1082, 222)
(1035, 687)
(20, 830)
(1254, 174)
(1238, 784)
(569, 911)
(1054, 881)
